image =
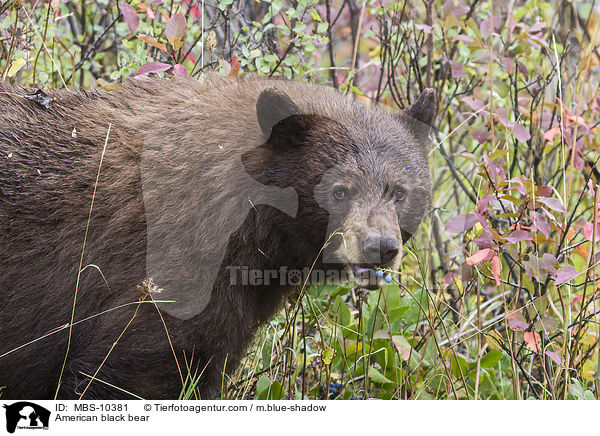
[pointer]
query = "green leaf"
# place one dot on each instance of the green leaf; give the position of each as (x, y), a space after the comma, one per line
(276, 6)
(378, 377)
(459, 364)
(415, 313)
(547, 324)
(267, 390)
(245, 51)
(576, 389)
(262, 387)
(396, 314)
(341, 312)
(491, 359)
(356, 90)
(293, 13)
(224, 3)
(405, 350)
(327, 356)
(322, 27)
(315, 15)
(356, 350)
(298, 28)
(15, 67)
(276, 391)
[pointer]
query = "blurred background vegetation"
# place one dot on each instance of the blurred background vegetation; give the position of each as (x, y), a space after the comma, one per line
(498, 294)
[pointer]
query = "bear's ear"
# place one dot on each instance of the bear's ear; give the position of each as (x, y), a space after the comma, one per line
(272, 107)
(423, 109)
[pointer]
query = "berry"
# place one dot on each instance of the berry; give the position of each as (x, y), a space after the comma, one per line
(379, 273)
(388, 278)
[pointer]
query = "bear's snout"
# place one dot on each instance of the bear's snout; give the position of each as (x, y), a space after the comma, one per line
(380, 250)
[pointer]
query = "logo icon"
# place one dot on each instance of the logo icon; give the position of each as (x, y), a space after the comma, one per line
(26, 415)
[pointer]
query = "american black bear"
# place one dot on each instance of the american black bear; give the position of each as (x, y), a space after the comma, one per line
(195, 186)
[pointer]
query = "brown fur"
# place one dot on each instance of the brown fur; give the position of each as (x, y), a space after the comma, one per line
(49, 158)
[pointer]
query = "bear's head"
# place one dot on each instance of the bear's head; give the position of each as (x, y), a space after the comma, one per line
(361, 176)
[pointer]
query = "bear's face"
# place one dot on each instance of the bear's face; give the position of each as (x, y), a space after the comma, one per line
(374, 204)
(363, 184)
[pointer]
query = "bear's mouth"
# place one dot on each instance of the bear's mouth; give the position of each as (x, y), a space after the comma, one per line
(365, 275)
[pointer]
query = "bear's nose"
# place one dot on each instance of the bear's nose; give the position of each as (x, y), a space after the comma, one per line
(379, 250)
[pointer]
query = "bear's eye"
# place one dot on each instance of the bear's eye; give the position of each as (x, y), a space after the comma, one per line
(340, 193)
(400, 193)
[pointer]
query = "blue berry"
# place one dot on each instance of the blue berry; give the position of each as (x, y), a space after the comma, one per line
(379, 273)
(388, 278)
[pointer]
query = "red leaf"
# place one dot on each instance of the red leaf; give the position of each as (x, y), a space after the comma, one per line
(196, 11)
(153, 67)
(482, 203)
(480, 256)
(480, 136)
(424, 27)
(191, 58)
(449, 278)
(153, 42)
(235, 67)
(590, 185)
(483, 222)
(552, 203)
(577, 299)
(548, 263)
(459, 11)
(149, 14)
(509, 64)
(457, 69)
(554, 356)
(461, 223)
(544, 191)
(588, 231)
(180, 71)
(496, 269)
(540, 223)
(565, 274)
(518, 236)
(176, 27)
(533, 340)
(484, 27)
(551, 133)
(521, 132)
(536, 27)
(130, 16)
(473, 103)
(463, 38)
(516, 322)
(518, 130)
